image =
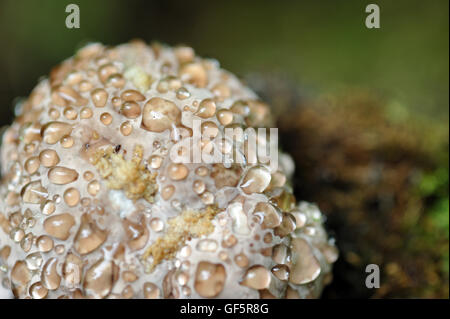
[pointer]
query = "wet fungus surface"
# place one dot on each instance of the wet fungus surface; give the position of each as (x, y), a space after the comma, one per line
(92, 206)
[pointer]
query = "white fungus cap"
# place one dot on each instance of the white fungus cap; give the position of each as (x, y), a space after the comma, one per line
(92, 206)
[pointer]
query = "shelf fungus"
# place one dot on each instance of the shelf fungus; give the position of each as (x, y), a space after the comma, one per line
(120, 180)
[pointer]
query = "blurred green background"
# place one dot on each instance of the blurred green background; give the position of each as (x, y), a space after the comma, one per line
(322, 44)
(322, 47)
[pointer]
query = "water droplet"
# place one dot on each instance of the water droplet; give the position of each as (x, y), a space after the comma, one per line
(93, 187)
(126, 128)
(241, 260)
(183, 93)
(281, 272)
(49, 275)
(106, 71)
(291, 293)
(44, 243)
(34, 261)
(116, 102)
(207, 198)
(32, 165)
(305, 266)
(256, 180)
(59, 225)
(99, 279)
(151, 291)
(209, 279)
(199, 186)
(195, 74)
(239, 218)
(20, 276)
(300, 219)
(202, 171)
(53, 113)
(72, 270)
(207, 245)
(106, 118)
(27, 242)
(155, 161)
(137, 234)
(72, 196)
(62, 175)
(281, 254)
(209, 130)
(167, 192)
(132, 95)
(224, 116)
(60, 249)
(207, 108)
(67, 141)
(177, 171)
(88, 175)
(268, 215)
(256, 277)
(287, 225)
(86, 113)
(65, 94)
(33, 193)
(330, 252)
(38, 291)
(221, 91)
(184, 54)
(89, 236)
(240, 107)
(85, 86)
(185, 251)
(129, 276)
(99, 97)
(70, 113)
(157, 224)
(52, 132)
(49, 158)
(182, 278)
(160, 114)
(130, 110)
(116, 80)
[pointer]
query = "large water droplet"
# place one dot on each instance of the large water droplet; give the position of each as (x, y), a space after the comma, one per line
(159, 115)
(59, 225)
(72, 270)
(89, 236)
(305, 266)
(62, 175)
(49, 276)
(209, 279)
(99, 279)
(151, 291)
(33, 193)
(256, 180)
(256, 277)
(52, 132)
(268, 215)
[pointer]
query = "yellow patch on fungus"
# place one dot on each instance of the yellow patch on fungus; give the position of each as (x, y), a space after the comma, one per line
(131, 176)
(140, 79)
(180, 229)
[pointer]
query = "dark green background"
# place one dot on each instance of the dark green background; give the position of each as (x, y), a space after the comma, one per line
(324, 45)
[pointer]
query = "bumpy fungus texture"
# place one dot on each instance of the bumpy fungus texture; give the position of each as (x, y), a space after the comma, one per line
(91, 205)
